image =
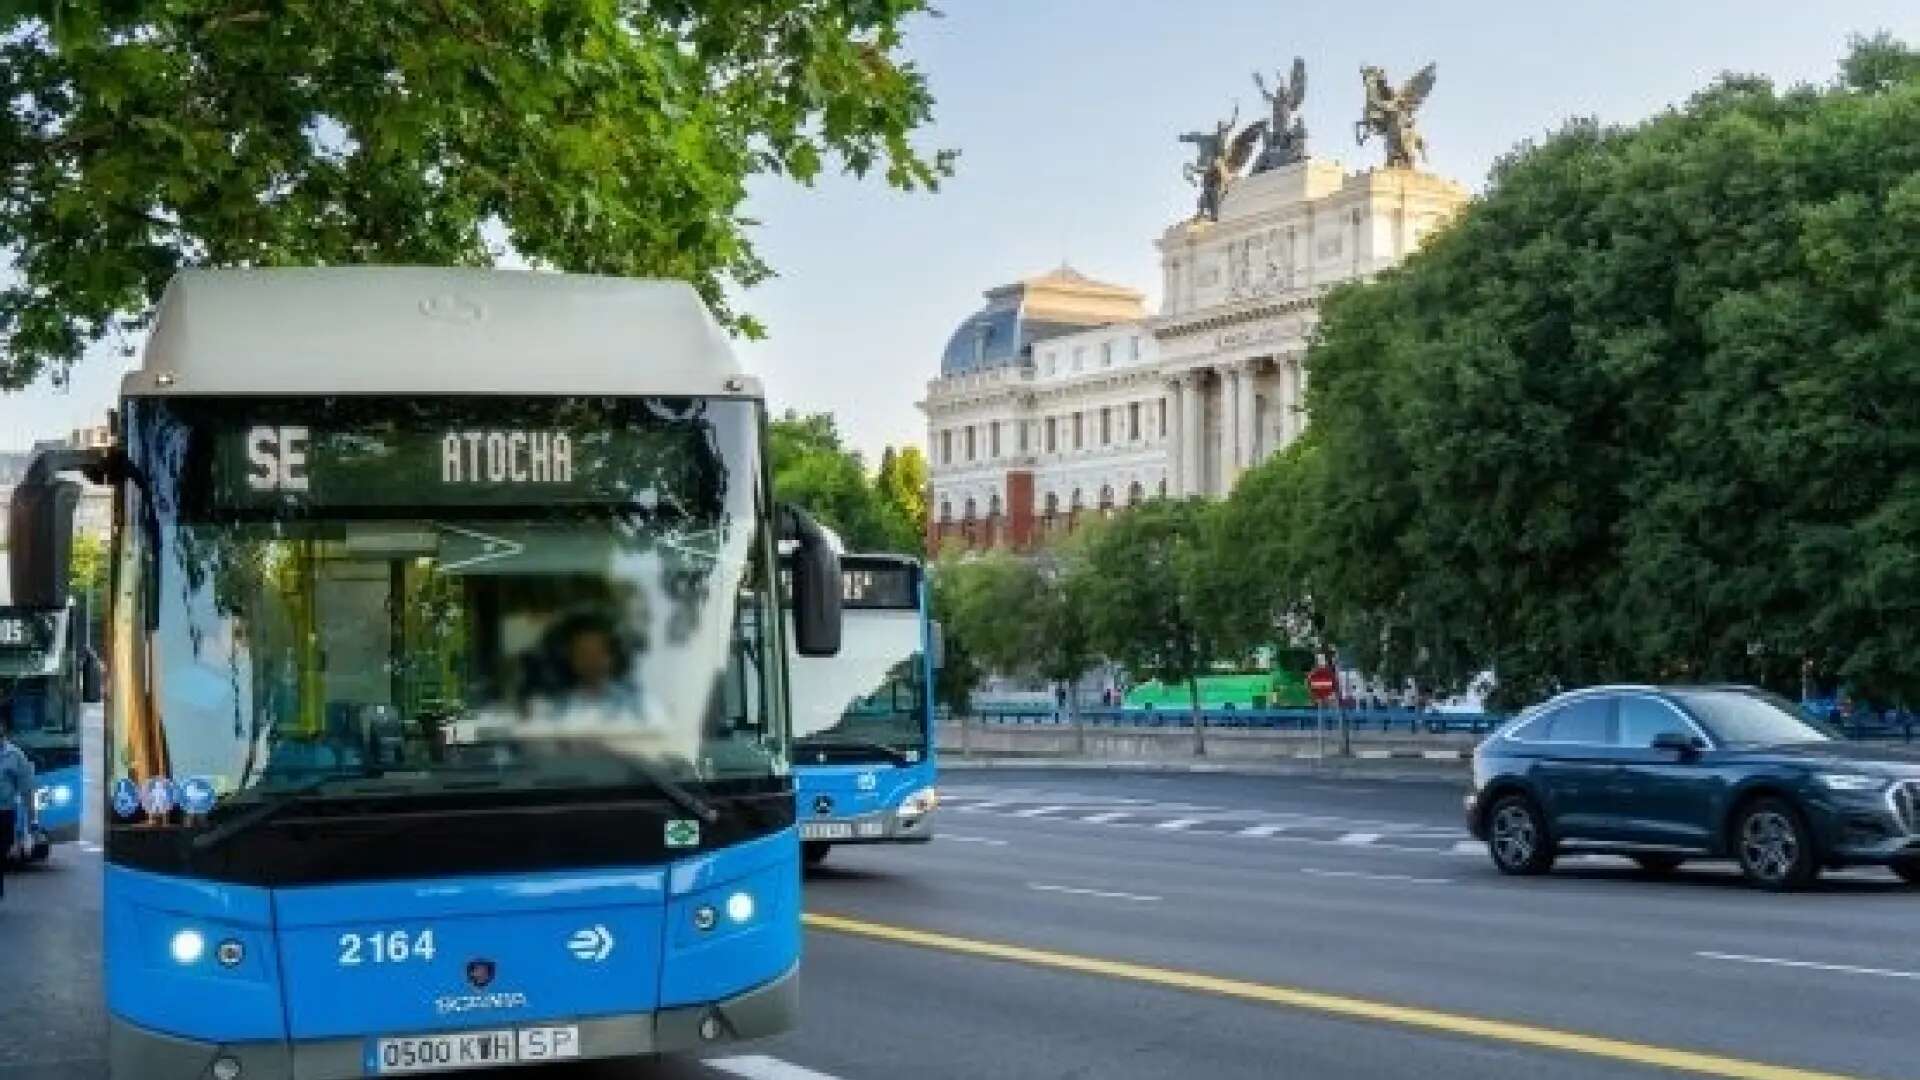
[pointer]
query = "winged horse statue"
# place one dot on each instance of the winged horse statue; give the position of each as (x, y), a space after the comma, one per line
(1389, 114)
(1218, 160)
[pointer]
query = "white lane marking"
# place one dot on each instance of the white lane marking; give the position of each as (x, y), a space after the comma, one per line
(88, 846)
(956, 838)
(1403, 878)
(1841, 969)
(1262, 830)
(1102, 819)
(1179, 823)
(1373, 755)
(1036, 811)
(762, 1067)
(1359, 838)
(1469, 847)
(1102, 894)
(990, 804)
(1441, 755)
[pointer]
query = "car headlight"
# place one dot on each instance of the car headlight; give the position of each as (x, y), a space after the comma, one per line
(1850, 781)
(919, 802)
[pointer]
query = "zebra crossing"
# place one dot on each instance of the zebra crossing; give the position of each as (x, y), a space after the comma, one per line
(1183, 818)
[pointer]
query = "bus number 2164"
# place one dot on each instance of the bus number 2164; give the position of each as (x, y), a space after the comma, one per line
(385, 947)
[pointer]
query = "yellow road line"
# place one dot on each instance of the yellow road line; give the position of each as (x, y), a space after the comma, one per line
(1337, 1004)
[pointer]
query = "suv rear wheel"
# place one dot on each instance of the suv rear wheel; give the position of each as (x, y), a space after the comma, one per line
(1774, 846)
(1517, 837)
(814, 852)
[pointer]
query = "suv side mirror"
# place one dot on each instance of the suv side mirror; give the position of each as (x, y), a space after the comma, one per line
(1677, 743)
(817, 589)
(40, 540)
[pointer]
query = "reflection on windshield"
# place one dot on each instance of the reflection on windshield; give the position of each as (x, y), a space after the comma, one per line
(871, 695)
(1752, 719)
(396, 620)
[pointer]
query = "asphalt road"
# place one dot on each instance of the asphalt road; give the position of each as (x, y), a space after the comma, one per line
(1215, 927)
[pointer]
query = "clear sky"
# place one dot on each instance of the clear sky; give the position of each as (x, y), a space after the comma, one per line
(1066, 112)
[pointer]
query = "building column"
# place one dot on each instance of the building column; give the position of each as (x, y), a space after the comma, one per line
(1193, 462)
(1232, 459)
(1249, 435)
(1174, 438)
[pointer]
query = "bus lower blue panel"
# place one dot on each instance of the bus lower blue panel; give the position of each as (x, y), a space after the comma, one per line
(157, 980)
(60, 815)
(849, 794)
(454, 953)
(737, 954)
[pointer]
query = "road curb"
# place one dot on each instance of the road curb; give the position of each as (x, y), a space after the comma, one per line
(1384, 768)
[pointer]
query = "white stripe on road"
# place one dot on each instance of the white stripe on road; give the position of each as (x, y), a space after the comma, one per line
(1036, 811)
(990, 804)
(1359, 838)
(1262, 830)
(1179, 823)
(1102, 819)
(1469, 847)
(1373, 755)
(1442, 755)
(955, 838)
(762, 1067)
(1100, 893)
(1841, 969)
(1404, 878)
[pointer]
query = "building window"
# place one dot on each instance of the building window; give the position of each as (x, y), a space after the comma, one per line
(1079, 431)
(1052, 511)
(1106, 500)
(946, 448)
(993, 506)
(1053, 361)
(1135, 494)
(970, 446)
(1133, 421)
(1163, 418)
(1133, 348)
(1106, 426)
(1106, 354)
(993, 440)
(1053, 431)
(1079, 357)
(1074, 507)
(1163, 487)
(970, 511)
(946, 511)
(1022, 426)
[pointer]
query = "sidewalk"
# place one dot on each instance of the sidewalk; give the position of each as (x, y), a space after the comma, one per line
(1229, 751)
(1392, 770)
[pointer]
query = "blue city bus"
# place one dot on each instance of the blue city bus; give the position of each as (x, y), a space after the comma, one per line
(863, 720)
(45, 680)
(446, 706)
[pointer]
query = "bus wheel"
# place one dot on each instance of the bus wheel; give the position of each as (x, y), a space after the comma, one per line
(814, 852)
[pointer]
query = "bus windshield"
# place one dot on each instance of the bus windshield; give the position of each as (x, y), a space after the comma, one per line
(36, 690)
(870, 700)
(412, 597)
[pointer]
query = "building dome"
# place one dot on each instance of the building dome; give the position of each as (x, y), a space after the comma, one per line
(1002, 333)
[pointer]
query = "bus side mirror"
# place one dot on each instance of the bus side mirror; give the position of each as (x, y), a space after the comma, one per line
(816, 585)
(40, 540)
(90, 678)
(937, 647)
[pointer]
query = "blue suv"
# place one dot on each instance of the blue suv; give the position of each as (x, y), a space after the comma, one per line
(1665, 774)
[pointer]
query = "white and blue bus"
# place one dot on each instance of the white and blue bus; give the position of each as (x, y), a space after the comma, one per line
(863, 720)
(446, 690)
(47, 676)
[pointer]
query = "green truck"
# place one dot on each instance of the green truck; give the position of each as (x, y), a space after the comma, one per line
(1255, 690)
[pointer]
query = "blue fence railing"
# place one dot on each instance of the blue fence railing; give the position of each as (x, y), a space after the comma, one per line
(1892, 726)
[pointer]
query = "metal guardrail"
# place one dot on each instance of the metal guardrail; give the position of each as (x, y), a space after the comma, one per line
(1888, 727)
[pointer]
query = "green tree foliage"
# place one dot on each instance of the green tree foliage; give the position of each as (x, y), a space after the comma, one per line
(814, 469)
(138, 137)
(902, 479)
(1137, 588)
(1020, 615)
(1650, 409)
(961, 671)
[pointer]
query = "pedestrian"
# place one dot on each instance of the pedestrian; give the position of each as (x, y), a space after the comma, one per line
(16, 790)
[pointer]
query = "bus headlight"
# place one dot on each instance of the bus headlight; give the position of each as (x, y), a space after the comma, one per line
(62, 795)
(740, 907)
(919, 803)
(188, 946)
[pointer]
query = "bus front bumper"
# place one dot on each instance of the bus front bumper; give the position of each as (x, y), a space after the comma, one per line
(135, 1053)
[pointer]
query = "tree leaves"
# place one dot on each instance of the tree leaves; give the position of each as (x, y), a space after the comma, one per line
(139, 137)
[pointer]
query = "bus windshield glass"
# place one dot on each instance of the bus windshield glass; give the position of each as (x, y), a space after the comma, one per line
(415, 597)
(36, 694)
(870, 700)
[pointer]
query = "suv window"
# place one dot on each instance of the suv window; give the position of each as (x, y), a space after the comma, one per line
(1583, 721)
(1642, 718)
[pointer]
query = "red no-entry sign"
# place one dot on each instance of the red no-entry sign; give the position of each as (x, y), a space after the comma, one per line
(1320, 683)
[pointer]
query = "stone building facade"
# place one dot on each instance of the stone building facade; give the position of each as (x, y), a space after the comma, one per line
(1062, 397)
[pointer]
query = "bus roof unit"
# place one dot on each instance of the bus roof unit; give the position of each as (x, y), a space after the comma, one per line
(407, 330)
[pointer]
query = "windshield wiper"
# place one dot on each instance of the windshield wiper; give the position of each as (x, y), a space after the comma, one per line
(672, 789)
(260, 813)
(892, 753)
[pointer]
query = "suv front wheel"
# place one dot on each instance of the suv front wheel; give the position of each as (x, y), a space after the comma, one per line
(1774, 846)
(1517, 837)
